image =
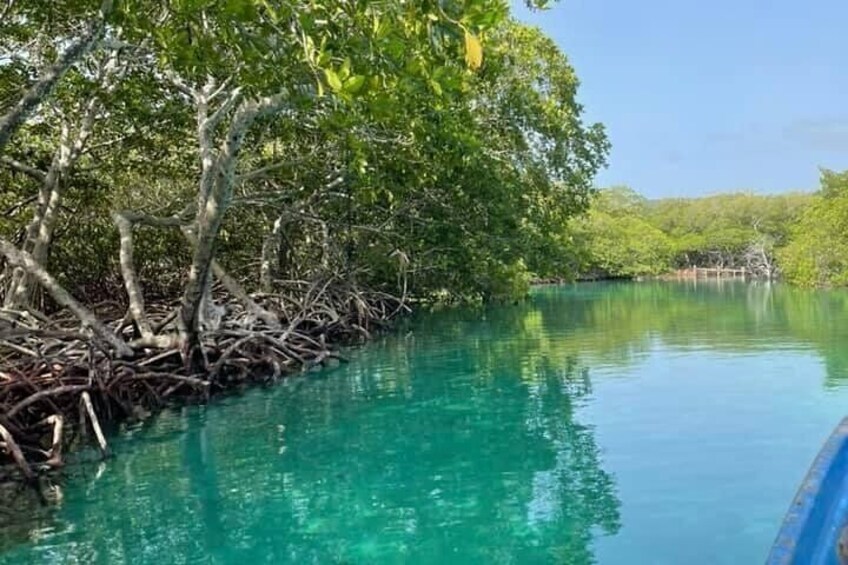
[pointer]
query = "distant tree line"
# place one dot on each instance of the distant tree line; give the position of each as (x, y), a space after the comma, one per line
(800, 237)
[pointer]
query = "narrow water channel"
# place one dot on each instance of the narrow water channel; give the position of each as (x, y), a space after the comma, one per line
(654, 423)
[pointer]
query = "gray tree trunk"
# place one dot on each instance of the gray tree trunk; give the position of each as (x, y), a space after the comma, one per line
(216, 192)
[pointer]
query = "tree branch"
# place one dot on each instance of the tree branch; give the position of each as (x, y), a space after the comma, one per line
(212, 207)
(180, 84)
(176, 221)
(134, 293)
(33, 172)
(15, 451)
(228, 104)
(262, 171)
(15, 207)
(218, 91)
(11, 121)
(105, 144)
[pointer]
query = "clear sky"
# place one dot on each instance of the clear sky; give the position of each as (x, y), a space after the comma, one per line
(702, 96)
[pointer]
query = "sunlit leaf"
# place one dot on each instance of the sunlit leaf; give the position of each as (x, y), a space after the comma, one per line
(344, 71)
(333, 80)
(354, 84)
(437, 88)
(473, 51)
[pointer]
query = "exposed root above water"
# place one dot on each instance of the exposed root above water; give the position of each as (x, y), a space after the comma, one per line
(59, 381)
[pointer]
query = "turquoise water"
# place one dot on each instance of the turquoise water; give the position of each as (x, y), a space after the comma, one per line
(654, 423)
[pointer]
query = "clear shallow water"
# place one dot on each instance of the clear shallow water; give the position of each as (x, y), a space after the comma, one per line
(611, 423)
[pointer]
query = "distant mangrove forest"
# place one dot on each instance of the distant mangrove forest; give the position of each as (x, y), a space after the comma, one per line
(799, 237)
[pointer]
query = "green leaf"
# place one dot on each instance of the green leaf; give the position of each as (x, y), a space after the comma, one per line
(237, 8)
(354, 84)
(437, 88)
(344, 72)
(275, 17)
(333, 80)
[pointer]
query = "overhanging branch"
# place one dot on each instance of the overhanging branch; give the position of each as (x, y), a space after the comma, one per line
(15, 165)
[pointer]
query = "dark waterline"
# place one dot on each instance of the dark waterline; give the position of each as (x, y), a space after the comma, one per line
(599, 423)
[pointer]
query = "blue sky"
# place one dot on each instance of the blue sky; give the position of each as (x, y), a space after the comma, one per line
(703, 96)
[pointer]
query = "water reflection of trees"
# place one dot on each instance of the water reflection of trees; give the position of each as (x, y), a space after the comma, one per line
(616, 323)
(459, 443)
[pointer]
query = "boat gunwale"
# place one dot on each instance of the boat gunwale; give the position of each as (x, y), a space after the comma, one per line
(795, 522)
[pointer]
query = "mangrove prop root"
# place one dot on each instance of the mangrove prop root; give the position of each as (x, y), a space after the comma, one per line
(54, 456)
(16, 453)
(95, 423)
(59, 375)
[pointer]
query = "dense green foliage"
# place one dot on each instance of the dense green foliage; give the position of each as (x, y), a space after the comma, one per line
(419, 147)
(626, 235)
(801, 237)
(817, 252)
(428, 149)
(619, 238)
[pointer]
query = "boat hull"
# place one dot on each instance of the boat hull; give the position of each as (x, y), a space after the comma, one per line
(815, 525)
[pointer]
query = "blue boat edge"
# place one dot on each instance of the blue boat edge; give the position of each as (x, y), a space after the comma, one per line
(787, 548)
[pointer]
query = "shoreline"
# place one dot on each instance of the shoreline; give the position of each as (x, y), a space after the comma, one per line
(59, 386)
(677, 274)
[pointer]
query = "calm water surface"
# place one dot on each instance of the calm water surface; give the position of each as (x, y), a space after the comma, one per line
(653, 423)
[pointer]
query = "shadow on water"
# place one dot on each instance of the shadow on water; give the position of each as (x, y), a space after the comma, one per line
(458, 439)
